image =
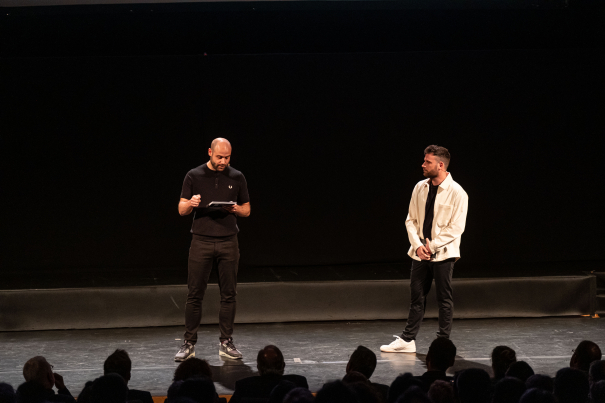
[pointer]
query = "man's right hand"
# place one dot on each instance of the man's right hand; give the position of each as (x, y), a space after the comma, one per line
(59, 383)
(195, 201)
(423, 253)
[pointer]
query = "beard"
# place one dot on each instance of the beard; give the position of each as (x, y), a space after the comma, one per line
(430, 174)
(217, 167)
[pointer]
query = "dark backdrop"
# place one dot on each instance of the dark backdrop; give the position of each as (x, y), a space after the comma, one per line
(96, 145)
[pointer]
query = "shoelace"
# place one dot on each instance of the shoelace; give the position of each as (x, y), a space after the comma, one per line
(230, 346)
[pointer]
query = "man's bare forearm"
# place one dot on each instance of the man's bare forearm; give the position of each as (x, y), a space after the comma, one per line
(185, 208)
(243, 210)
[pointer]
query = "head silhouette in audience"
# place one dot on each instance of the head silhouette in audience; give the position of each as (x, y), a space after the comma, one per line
(193, 367)
(37, 369)
(597, 392)
(270, 361)
(584, 355)
(508, 390)
(173, 391)
(200, 390)
(299, 395)
(543, 382)
(414, 394)
(596, 372)
(110, 388)
(441, 355)
(571, 386)
(84, 396)
(362, 360)
(400, 385)
(118, 363)
(441, 392)
(502, 358)
(336, 392)
(536, 395)
(520, 370)
(271, 364)
(280, 391)
(7, 393)
(473, 385)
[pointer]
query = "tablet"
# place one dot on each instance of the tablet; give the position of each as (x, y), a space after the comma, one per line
(221, 203)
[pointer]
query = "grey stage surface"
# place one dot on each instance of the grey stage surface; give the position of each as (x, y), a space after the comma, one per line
(318, 351)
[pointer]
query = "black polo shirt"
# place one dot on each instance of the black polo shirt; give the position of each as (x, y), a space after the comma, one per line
(228, 185)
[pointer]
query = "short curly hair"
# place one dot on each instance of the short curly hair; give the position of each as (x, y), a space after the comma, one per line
(440, 152)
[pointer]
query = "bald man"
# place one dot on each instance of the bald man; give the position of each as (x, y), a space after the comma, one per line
(214, 242)
(39, 371)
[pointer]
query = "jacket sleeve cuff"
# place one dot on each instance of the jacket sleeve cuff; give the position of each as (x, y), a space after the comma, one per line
(415, 247)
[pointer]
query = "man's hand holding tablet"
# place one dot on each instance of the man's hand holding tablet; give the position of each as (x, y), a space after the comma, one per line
(230, 206)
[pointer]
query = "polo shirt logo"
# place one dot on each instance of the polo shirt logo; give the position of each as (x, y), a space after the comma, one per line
(230, 187)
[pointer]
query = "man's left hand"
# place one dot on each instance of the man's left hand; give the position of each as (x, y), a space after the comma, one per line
(232, 209)
(428, 247)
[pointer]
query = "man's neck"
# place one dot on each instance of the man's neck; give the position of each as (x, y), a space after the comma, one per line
(437, 180)
(209, 164)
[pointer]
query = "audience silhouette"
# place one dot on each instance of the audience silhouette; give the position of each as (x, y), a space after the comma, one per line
(440, 357)
(363, 360)
(119, 363)
(513, 381)
(270, 364)
(39, 371)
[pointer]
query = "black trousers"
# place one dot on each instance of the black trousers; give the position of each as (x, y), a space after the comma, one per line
(204, 254)
(423, 273)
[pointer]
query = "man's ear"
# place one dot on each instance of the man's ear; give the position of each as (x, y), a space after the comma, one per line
(427, 361)
(573, 363)
(210, 152)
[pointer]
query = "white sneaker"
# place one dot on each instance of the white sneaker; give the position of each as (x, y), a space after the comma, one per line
(399, 346)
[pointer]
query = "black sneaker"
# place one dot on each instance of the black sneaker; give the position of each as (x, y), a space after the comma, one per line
(227, 349)
(186, 351)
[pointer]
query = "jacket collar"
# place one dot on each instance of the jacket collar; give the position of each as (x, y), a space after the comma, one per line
(445, 184)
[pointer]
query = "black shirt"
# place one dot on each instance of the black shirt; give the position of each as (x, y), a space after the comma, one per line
(227, 185)
(429, 211)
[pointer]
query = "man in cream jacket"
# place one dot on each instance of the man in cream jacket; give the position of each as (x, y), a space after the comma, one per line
(435, 224)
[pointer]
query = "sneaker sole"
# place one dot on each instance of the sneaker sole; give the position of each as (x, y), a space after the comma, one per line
(229, 356)
(397, 351)
(186, 358)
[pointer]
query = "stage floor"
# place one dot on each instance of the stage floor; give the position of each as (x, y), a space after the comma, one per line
(317, 350)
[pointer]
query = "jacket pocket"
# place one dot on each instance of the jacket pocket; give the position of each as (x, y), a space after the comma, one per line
(444, 215)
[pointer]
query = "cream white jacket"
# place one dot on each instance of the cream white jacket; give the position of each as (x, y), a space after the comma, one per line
(449, 219)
